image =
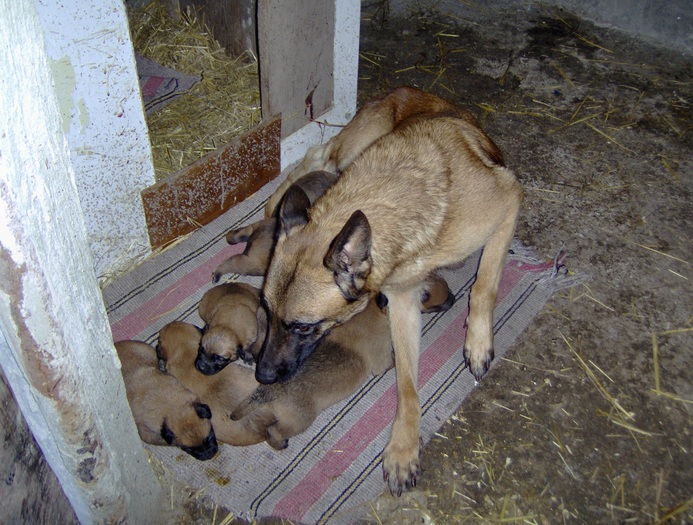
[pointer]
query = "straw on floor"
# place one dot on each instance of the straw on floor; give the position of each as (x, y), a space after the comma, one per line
(329, 473)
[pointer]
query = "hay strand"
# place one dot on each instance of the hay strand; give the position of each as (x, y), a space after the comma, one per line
(655, 360)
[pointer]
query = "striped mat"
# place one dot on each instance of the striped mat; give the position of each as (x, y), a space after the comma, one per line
(329, 473)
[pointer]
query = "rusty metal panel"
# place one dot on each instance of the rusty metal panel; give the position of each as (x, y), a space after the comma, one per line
(296, 48)
(206, 189)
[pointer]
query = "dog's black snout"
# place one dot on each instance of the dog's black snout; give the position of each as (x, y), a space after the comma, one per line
(265, 375)
(207, 450)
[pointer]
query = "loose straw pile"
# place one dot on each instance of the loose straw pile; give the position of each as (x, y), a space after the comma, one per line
(223, 105)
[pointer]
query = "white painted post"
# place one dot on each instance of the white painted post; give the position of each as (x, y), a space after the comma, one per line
(97, 87)
(55, 346)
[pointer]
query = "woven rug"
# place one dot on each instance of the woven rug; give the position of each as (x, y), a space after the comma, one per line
(161, 85)
(329, 473)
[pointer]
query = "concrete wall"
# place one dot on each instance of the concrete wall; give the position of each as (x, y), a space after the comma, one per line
(664, 22)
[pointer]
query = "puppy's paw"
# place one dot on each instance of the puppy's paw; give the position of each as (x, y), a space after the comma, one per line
(276, 439)
(237, 236)
(216, 276)
(401, 466)
(478, 346)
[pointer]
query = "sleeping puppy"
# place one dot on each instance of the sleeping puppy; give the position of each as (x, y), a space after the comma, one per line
(341, 363)
(165, 412)
(259, 236)
(223, 391)
(232, 318)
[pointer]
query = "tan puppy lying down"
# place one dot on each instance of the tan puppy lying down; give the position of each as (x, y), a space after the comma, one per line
(165, 412)
(230, 312)
(343, 361)
(259, 236)
(223, 391)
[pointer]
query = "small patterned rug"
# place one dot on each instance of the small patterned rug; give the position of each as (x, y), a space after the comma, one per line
(161, 85)
(330, 472)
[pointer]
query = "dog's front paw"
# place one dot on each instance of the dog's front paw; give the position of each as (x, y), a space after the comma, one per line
(401, 466)
(478, 362)
(478, 346)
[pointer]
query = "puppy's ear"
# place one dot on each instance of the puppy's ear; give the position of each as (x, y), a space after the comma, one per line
(293, 210)
(161, 362)
(349, 256)
(203, 411)
(166, 433)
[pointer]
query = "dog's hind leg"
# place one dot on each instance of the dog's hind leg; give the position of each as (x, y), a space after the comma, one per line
(478, 346)
(401, 455)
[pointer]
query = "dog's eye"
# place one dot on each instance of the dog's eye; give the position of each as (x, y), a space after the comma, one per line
(302, 329)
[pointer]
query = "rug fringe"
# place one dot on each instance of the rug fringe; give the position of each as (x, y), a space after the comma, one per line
(558, 277)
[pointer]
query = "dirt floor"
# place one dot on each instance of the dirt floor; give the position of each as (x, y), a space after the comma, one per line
(588, 418)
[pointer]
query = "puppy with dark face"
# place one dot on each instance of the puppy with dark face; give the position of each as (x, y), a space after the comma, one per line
(165, 412)
(235, 327)
(341, 363)
(223, 391)
(259, 236)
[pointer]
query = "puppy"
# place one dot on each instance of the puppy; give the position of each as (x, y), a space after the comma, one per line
(223, 391)
(165, 412)
(343, 361)
(234, 324)
(259, 236)
(421, 187)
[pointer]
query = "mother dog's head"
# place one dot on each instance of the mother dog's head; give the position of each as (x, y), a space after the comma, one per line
(315, 281)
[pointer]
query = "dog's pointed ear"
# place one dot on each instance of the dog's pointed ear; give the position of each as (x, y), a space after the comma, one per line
(262, 325)
(293, 210)
(349, 256)
(203, 411)
(166, 433)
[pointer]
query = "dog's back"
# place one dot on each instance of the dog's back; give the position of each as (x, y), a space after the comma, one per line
(223, 391)
(165, 412)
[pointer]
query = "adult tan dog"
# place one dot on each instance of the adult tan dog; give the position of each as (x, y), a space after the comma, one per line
(423, 187)
(165, 412)
(235, 327)
(223, 391)
(259, 236)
